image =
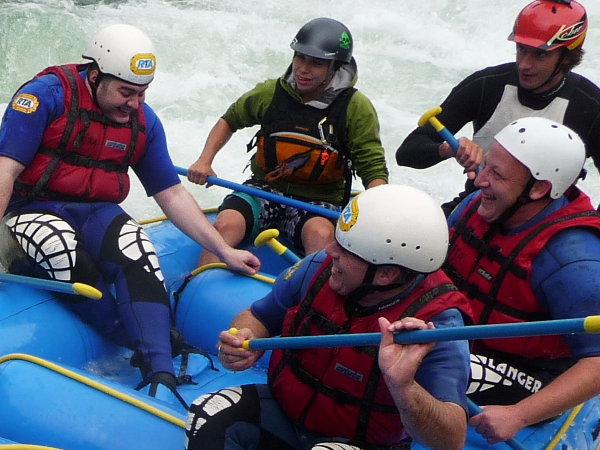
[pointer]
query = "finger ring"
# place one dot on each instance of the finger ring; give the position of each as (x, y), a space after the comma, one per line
(219, 348)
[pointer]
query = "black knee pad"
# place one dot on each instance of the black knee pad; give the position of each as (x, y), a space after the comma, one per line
(44, 245)
(127, 245)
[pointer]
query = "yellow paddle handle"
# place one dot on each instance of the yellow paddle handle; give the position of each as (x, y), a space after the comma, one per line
(87, 291)
(269, 237)
(429, 116)
(246, 344)
(591, 324)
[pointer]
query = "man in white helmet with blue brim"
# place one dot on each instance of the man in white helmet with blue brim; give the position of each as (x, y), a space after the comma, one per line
(525, 247)
(384, 265)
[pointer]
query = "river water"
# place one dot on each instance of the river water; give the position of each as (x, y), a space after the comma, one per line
(409, 54)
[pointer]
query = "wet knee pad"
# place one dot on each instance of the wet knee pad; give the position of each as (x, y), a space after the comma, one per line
(45, 245)
(212, 414)
(127, 245)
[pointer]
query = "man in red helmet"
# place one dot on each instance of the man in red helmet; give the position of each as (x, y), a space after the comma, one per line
(549, 35)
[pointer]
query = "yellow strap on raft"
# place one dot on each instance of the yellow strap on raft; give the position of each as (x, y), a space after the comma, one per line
(559, 434)
(26, 447)
(205, 267)
(95, 385)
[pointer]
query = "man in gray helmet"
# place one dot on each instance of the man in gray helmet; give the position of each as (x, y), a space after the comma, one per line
(316, 129)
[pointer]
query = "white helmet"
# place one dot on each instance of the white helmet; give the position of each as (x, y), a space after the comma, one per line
(550, 150)
(392, 224)
(125, 52)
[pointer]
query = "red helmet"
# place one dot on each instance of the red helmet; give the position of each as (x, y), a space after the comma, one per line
(551, 24)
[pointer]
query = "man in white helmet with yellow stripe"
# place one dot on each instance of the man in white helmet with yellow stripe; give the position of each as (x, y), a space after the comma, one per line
(67, 140)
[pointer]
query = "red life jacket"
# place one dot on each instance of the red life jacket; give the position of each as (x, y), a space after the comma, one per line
(83, 156)
(495, 273)
(340, 391)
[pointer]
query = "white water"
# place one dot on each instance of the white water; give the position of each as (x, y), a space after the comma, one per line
(409, 54)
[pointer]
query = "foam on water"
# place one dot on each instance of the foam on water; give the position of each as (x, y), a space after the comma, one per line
(409, 54)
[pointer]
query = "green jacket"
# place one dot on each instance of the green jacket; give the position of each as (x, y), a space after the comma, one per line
(362, 128)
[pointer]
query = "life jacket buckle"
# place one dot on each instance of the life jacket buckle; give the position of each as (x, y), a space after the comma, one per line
(288, 167)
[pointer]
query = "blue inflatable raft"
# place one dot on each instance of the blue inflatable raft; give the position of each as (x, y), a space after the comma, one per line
(63, 387)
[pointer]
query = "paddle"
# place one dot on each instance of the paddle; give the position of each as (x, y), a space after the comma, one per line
(267, 195)
(512, 442)
(269, 237)
(590, 324)
(51, 285)
(430, 116)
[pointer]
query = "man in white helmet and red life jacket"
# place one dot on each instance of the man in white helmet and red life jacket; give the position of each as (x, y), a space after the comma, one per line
(549, 35)
(526, 247)
(382, 268)
(316, 130)
(67, 141)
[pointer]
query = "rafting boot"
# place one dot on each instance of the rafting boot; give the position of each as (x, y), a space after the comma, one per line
(162, 386)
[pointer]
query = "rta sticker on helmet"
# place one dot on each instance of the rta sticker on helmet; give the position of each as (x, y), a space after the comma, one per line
(349, 215)
(25, 103)
(143, 64)
(345, 41)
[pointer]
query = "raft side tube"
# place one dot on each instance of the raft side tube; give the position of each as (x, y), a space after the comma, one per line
(33, 321)
(210, 301)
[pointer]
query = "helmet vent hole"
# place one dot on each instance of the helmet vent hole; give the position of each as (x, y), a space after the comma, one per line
(388, 241)
(403, 244)
(418, 247)
(522, 130)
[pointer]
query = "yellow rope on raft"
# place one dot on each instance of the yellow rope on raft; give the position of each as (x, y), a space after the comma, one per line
(95, 385)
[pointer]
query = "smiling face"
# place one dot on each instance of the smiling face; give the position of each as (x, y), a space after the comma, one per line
(311, 75)
(348, 271)
(117, 98)
(535, 67)
(501, 180)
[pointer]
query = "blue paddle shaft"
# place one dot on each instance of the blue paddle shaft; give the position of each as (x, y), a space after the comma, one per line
(512, 442)
(449, 138)
(55, 286)
(267, 195)
(548, 327)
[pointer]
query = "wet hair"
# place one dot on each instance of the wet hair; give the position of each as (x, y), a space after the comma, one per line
(572, 58)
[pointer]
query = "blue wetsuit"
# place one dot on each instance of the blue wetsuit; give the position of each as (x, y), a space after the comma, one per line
(95, 243)
(251, 418)
(565, 278)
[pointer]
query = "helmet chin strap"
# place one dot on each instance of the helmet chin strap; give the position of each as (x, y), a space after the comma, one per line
(556, 71)
(367, 287)
(522, 199)
(329, 74)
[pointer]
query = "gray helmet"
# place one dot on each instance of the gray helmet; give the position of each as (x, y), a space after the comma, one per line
(325, 39)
